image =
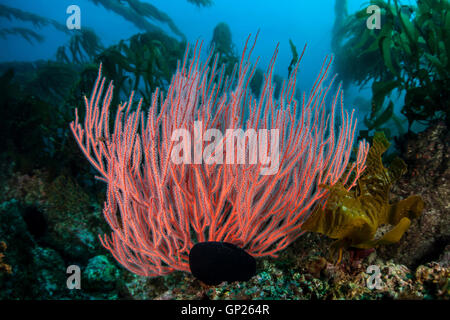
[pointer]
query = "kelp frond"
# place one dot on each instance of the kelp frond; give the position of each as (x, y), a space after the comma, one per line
(202, 3)
(137, 11)
(25, 33)
(83, 47)
(38, 21)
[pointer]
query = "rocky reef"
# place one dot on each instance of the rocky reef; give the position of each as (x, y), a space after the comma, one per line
(48, 224)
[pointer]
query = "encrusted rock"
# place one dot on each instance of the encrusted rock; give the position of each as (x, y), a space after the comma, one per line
(428, 158)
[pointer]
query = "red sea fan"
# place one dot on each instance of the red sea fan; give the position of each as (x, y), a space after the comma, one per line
(166, 192)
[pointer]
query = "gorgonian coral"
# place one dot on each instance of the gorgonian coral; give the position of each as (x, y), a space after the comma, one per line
(159, 208)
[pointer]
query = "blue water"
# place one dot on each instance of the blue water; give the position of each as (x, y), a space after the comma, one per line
(278, 21)
(307, 22)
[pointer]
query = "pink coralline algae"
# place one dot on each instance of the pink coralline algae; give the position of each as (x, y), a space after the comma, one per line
(158, 209)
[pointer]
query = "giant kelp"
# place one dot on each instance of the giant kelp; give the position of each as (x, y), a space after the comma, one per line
(38, 21)
(23, 122)
(31, 117)
(137, 12)
(37, 97)
(202, 3)
(353, 216)
(222, 43)
(141, 63)
(409, 54)
(28, 34)
(258, 76)
(83, 47)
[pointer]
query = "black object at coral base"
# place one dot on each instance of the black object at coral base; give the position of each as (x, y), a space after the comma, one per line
(214, 262)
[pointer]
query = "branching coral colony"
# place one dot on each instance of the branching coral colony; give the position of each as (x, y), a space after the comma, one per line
(158, 209)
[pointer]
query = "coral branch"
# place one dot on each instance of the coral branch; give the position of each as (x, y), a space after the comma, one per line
(158, 209)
